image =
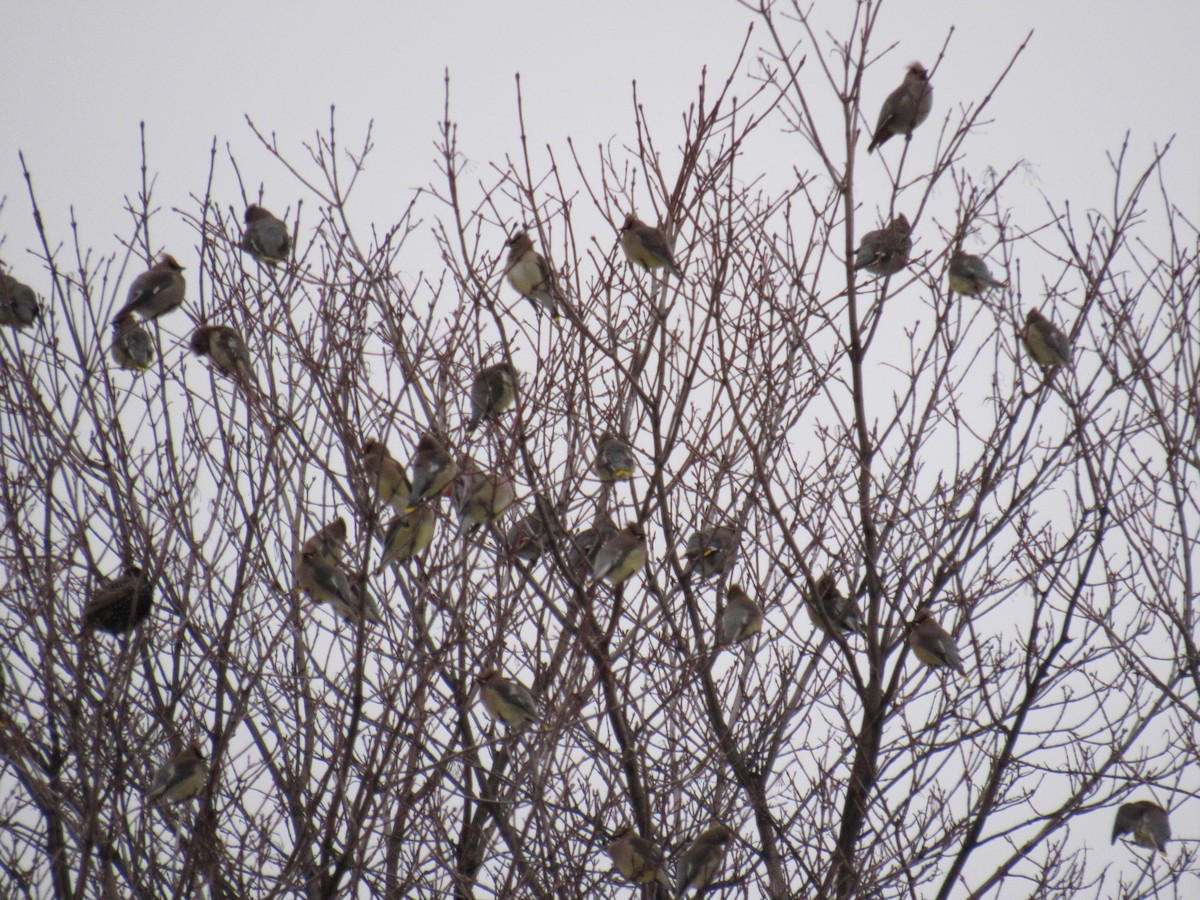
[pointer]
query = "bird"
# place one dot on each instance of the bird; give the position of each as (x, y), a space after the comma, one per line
(120, 604)
(614, 460)
(742, 617)
(700, 862)
(1046, 344)
(507, 701)
(637, 858)
(329, 543)
(433, 469)
(182, 777)
(407, 536)
(621, 555)
(830, 611)
(156, 291)
(710, 551)
(325, 582)
(932, 644)
(583, 547)
(132, 346)
(19, 306)
(969, 275)
(526, 537)
(646, 246)
(482, 499)
(530, 275)
(905, 108)
(885, 252)
(226, 351)
(1146, 821)
(266, 238)
(493, 390)
(386, 476)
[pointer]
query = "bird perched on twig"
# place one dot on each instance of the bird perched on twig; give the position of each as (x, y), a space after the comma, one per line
(385, 476)
(329, 542)
(885, 252)
(493, 390)
(698, 865)
(433, 469)
(226, 351)
(265, 238)
(637, 858)
(622, 555)
(19, 307)
(741, 619)
(132, 346)
(121, 604)
(327, 583)
(182, 777)
(614, 460)
(482, 499)
(507, 701)
(905, 108)
(829, 610)
(1046, 344)
(156, 291)
(969, 275)
(932, 644)
(710, 551)
(408, 536)
(1146, 821)
(646, 246)
(530, 274)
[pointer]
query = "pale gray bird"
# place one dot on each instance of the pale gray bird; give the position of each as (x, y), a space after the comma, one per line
(408, 536)
(266, 238)
(482, 499)
(385, 476)
(1045, 343)
(741, 619)
(932, 644)
(19, 307)
(698, 865)
(182, 777)
(493, 390)
(329, 543)
(621, 556)
(969, 275)
(1146, 821)
(614, 460)
(637, 859)
(327, 583)
(646, 246)
(226, 351)
(120, 604)
(507, 701)
(530, 275)
(829, 610)
(905, 108)
(585, 546)
(885, 252)
(710, 551)
(132, 345)
(156, 291)
(433, 469)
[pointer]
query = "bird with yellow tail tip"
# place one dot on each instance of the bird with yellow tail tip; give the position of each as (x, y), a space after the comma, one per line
(530, 275)
(886, 251)
(698, 865)
(265, 238)
(1146, 821)
(327, 583)
(1047, 345)
(507, 701)
(329, 543)
(226, 351)
(132, 346)
(905, 108)
(156, 291)
(614, 460)
(493, 391)
(647, 247)
(829, 610)
(122, 603)
(385, 476)
(621, 556)
(408, 536)
(637, 859)
(182, 777)
(932, 644)
(741, 619)
(969, 275)
(710, 551)
(433, 470)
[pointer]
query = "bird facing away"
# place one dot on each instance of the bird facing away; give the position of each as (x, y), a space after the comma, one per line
(830, 611)
(507, 701)
(493, 390)
(637, 859)
(482, 499)
(180, 778)
(19, 306)
(433, 469)
(132, 346)
(742, 617)
(885, 252)
(621, 556)
(700, 862)
(225, 349)
(710, 551)
(327, 583)
(121, 604)
(156, 291)
(932, 644)
(905, 108)
(385, 476)
(530, 275)
(1046, 344)
(969, 275)
(646, 246)
(614, 460)
(329, 543)
(1146, 821)
(408, 536)
(266, 238)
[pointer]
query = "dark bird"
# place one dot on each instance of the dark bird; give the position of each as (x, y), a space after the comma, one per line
(156, 291)
(905, 108)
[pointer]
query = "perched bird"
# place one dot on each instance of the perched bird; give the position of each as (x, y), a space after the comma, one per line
(482, 499)
(329, 543)
(493, 390)
(433, 469)
(182, 777)
(646, 246)
(932, 644)
(710, 551)
(584, 547)
(507, 701)
(156, 291)
(700, 862)
(885, 252)
(327, 583)
(225, 349)
(19, 306)
(132, 346)
(905, 108)
(829, 610)
(266, 238)
(122, 603)
(637, 859)
(1146, 821)
(614, 460)
(1045, 343)
(530, 275)
(741, 619)
(407, 536)
(385, 476)
(622, 555)
(526, 537)
(969, 275)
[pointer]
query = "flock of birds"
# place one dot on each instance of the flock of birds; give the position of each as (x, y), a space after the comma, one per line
(603, 551)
